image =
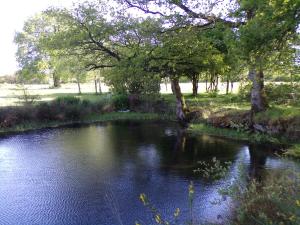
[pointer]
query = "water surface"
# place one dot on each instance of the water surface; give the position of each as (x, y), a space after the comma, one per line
(94, 174)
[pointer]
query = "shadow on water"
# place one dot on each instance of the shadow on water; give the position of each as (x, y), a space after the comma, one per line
(94, 174)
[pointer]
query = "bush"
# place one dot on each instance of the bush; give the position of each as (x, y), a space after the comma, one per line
(102, 104)
(12, 116)
(120, 102)
(75, 112)
(150, 104)
(130, 78)
(282, 93)
(67, 100)
(46, 112)
(245, 91)
(275, 201)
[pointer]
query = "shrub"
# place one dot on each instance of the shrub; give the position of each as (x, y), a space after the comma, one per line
(275, 201)
(120, 102)
(102, 104)
(213, 94)
(282, 93)
(8, 118)
(45, 112)
(66, 100)
(245, 91)
(12, 116)
(74, 112)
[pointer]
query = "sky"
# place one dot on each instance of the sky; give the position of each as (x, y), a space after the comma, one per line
(13, 14)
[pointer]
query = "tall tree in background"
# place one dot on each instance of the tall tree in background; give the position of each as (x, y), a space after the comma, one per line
(33, 58)
(171, 39)
(269, 26)
(262, 28)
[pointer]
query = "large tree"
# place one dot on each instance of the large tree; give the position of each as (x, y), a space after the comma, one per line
(269, 26)
(34, 59)
(262, 27)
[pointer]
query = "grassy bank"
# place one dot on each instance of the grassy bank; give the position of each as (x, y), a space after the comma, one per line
(290, 148)
(93, 118)
(69, 109)
(218, 114)
(201, 128)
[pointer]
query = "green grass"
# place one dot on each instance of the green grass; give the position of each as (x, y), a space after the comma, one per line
(201, 128)
(219, 101)
(276, 112)
(293, 151)
(206, 99)
(232, 103)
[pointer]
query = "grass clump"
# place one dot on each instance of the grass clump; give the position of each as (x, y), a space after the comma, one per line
(278, 112)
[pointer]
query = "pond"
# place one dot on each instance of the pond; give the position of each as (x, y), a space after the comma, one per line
(94, 174)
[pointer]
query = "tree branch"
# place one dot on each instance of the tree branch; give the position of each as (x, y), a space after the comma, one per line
(94, 66)
(99, 44)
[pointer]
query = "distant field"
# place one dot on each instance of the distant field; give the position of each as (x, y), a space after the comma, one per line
(11, 94)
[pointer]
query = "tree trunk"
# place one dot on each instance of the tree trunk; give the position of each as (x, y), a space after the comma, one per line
(56, 81)
(258, 161)
(79, 88)
(95, 81)
(227, 86)
(180, 103)
(195, 80)
(99, 82)
(216, 84)
(258, 96)
(180, 144)
(211, 83)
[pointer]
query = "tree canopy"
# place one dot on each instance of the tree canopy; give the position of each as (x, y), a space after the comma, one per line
(138, 42)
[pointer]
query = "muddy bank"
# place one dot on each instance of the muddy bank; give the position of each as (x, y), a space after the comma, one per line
(288, 128)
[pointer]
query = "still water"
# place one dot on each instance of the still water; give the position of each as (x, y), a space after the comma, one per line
(94, 174)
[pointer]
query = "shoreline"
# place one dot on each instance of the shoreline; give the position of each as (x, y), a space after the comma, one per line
(194, 129)
(107, 117)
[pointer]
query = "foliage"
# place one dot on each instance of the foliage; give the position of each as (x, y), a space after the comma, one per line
(71, 108)
(121, 102)
(283, 93)
(213, 170)
(131, 80)
(245, 91)
(293, 151)
(157, 217)
(272, 201)
(176, 39)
